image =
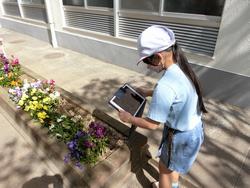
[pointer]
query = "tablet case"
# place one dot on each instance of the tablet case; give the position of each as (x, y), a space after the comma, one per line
(128, 99)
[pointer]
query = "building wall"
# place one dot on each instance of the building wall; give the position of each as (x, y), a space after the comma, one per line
(226, 77)
(232, 51)
(41, 32)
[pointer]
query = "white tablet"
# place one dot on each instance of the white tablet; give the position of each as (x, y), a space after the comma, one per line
(128, 99)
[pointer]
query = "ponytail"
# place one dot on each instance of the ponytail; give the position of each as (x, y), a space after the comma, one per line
(181, 59)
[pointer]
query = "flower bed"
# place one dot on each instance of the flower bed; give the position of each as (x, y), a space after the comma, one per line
(88, 140)
(95, 142)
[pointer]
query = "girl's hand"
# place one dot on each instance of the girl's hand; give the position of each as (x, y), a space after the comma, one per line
(144, 92)
(125, 116)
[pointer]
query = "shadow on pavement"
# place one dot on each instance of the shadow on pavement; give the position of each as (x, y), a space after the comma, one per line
(223, 156)
(44, 181)
(20, 162)
(140, 165)
(98, 92)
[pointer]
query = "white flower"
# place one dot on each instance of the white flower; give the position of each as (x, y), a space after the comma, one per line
(12, 91)
(51, 126)
(57, 94)
(26, 85)
(54, 95)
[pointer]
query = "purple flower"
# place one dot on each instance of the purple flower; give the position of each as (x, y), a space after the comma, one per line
(78, 165)
(6, 68)
(71, 145)
(88, 144)
(36, 84)
(4, 59)
(97, 130)
(78, 147)
(66, 158)
(80, 134)
(100, 132)
(76, 154)
(19, 92)
(15, 94)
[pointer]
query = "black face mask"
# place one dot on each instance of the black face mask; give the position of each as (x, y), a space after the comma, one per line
(149, 60)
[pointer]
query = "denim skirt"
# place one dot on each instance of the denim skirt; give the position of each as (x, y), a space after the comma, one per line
(185, 147)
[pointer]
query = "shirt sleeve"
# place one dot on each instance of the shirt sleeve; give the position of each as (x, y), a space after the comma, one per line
(162, 99)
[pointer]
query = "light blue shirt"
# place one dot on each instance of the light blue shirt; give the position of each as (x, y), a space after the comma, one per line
(175, 101)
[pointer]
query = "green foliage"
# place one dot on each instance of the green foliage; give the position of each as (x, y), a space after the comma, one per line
(63, 127)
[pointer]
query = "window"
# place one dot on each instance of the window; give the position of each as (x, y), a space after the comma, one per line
(101, 3)
(73, 2)
(33, 1)
(206, 7)
(144, 5)
(15, 1)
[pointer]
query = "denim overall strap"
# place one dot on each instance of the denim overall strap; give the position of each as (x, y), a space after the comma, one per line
(167, 137)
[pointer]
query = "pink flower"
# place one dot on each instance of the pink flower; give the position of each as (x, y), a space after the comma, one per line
(51, 82)
(15, 61)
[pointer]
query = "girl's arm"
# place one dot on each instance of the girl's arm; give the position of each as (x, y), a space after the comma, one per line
(145, 92)
(145, 123)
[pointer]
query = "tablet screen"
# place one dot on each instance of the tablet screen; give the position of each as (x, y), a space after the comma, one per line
(128, 99)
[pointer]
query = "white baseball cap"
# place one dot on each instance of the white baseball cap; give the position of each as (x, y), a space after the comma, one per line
(154, 39)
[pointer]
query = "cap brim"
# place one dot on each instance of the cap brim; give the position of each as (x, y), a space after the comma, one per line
(140, 60)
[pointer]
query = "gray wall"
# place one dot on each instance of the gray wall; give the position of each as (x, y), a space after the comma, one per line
(40, 32)
(232, 51)
(224, 86)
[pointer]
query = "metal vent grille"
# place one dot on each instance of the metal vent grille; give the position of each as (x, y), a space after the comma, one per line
(35, 13)
(90, 21)
(193, 38)
(11, 9)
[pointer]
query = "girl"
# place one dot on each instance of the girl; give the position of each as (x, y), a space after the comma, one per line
(176, 102)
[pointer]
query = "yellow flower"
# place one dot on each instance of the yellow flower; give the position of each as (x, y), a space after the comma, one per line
(32, 107)
(1, 78)
(34, 98)
(13, 83)
(21, 103)
(24, 97)
(39, 106)
(46, 100)
(45, 107)
(10, 74)
(27, 108)
(33, 91)
(42, 115)
(35, 103)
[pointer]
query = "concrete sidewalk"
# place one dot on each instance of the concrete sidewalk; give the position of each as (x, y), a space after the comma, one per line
(22, 164)
(224, 157)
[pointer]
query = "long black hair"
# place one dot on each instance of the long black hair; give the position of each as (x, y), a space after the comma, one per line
(181, 59)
